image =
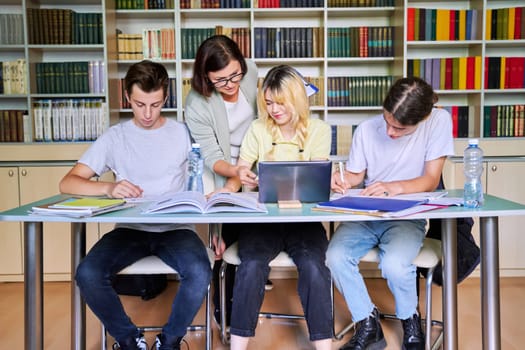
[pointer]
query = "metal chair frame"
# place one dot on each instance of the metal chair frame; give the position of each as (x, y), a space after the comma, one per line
(144, 266)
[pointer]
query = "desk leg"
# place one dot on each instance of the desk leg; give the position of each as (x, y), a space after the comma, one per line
(490, 305)
(78, 307)
(33, 287)
(450, 292)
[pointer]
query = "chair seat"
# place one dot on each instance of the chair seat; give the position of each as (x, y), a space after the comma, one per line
(152, 264)
(429, 255)
(231, 256)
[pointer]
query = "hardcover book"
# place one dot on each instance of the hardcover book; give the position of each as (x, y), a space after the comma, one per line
(196, 202)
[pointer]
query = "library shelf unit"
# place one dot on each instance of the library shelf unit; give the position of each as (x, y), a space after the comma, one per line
(313, 42)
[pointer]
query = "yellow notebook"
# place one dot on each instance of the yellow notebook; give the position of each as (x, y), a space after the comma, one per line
(88, 203)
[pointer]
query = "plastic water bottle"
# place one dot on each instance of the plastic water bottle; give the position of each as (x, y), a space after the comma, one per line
(195, 169)
(473, 167)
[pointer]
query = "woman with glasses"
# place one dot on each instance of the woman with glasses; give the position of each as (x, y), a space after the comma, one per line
(219, 109)
(283, 131)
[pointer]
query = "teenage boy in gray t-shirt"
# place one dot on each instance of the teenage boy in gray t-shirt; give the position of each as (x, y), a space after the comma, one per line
(148, 155)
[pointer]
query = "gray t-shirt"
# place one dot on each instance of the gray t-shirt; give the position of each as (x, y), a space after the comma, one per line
(404, 158)
(154, 159)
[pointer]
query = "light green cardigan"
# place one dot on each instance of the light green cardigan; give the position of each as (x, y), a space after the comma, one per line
(208, 121)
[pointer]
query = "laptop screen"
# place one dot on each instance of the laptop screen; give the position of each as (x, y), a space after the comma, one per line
(306, 181)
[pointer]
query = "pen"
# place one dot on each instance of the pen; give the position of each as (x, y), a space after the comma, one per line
(341, 173)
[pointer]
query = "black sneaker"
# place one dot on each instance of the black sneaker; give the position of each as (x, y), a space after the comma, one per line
(413, 338)
(368, 334)
(138, 343)
(162, 344)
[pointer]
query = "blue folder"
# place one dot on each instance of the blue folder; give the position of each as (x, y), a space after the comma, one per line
(370, 204)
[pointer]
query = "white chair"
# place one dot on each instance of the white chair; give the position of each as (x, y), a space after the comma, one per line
(231, 256)
(429, 257)
(154, 265)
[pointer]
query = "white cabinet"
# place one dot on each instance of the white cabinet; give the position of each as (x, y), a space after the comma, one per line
(502, 177)
(21, 185)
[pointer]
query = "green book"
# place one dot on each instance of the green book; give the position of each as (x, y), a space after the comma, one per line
(87, 203)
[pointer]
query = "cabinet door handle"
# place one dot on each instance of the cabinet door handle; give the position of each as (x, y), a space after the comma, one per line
(11, 173)
(23, 172)
(494, 168)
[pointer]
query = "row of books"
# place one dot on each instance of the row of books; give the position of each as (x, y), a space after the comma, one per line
(151, 44)
(13, 124)
(425, 24)
(357, 91)
(70, 77)
(290, 3)
(171, 101)
(69, 119)
(463, 120)
(143, 4)
(504, 121)
(11, 29)
(193, 37)
(288, 42)
(361, 42)
(360, 3)
(13, 77)
(158, 43)
(214, 4)
(504, 72)
(505, 23)
(53, 26)
(457, 73)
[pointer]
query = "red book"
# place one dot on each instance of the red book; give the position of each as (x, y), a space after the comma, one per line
(454, 114)
(519, 77)
(452, 30)
(517, 23)
(410, 23)
(448, 73)
(471, 72)
(508, 77)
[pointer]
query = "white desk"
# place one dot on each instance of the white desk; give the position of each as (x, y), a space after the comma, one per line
(494, 207)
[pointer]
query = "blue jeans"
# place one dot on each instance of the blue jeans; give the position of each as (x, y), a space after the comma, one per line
(181, 249)
(399, 242)
(306, 244)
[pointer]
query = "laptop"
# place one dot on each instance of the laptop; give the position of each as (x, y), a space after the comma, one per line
(306, 181)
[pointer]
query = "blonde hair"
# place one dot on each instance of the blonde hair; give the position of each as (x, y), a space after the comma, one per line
(286, 88)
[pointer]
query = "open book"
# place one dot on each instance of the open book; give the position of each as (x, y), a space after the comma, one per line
(396, 206)
(196, 202)
(79, 207)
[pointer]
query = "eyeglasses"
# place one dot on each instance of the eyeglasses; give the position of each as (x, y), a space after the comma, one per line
(223, 82)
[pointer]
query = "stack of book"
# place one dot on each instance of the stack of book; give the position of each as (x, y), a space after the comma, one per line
(504, 72)
(505, 24)
(81, 207)
(425, 24)
(11, 29)
(15, 126)
(70, 77)
(357, 91)
(504, 121)
(293, 42)
(360, 42)
(69, 119)
(53, 26)
(450, 73)
(13, 77)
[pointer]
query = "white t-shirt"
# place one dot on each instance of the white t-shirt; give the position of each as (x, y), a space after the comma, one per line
(240, 116)
(154, 159)
(387, 159)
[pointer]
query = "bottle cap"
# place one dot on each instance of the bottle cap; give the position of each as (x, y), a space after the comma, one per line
(195, 145)
(473, 142)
